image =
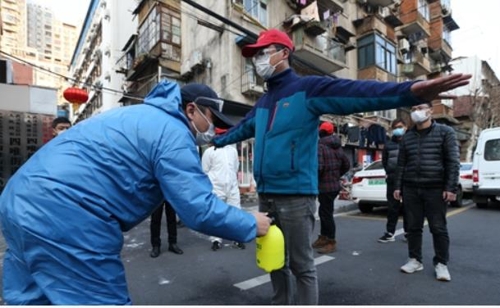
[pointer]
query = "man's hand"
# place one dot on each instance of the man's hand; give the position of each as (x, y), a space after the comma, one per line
(397, 195)
(449, 196)
(431, 89)
(263, 223)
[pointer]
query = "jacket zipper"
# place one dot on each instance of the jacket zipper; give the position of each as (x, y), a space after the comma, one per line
(293, 155)
(274, 117)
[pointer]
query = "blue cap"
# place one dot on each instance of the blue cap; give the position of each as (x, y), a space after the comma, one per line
(203, 95)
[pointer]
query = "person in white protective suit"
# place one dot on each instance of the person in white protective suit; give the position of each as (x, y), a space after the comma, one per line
(63, 212)
(221, 166)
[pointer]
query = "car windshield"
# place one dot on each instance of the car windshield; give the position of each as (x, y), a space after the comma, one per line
(376, 165)
(465, 167)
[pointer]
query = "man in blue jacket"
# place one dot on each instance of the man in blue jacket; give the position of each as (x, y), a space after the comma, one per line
(285, 124)
(64, 211)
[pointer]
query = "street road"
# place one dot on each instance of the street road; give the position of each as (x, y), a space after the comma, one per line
(361, 272)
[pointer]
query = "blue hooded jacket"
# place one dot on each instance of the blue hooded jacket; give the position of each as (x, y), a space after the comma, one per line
(107, 174)
(285, 124)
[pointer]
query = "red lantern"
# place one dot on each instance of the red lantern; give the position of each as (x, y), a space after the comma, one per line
(76, 95)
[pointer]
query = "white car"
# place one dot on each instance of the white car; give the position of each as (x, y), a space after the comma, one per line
(466, 177)
(486, 168)
(369, 187)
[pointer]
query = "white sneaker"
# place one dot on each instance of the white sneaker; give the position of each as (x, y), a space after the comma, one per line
(442, 273)
(412, 266)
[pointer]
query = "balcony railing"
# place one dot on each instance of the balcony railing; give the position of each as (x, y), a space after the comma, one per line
(251, 84)
(416, 29)
(321, 51)
(416, 64)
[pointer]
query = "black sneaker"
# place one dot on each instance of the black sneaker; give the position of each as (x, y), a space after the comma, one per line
(239, 245)
(386, 238)
(216, 245)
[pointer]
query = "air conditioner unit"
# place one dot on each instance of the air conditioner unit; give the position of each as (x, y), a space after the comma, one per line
(383, 11)
(404, 45)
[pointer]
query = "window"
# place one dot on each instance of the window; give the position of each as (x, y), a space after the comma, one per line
(164, 26)
(149, 32)
(492, 150)
(446, 35)
(375, 50)
(256, 9)
(423, 9)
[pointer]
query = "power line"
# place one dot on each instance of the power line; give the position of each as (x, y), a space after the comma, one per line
(48, 71)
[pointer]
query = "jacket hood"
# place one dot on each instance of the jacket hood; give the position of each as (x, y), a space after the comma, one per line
(167, 97)
(332, 141)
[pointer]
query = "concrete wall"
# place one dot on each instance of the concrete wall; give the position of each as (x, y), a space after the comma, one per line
(24, 98)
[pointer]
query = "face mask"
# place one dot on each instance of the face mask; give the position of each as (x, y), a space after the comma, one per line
(398, 132)
(419, 116)
(263, 66)
(206, 137)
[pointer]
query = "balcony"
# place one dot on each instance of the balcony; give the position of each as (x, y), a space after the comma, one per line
(251, 85)
(443, 113)
(417, 28)
(391, 16)
(375, 73)
(344, 29)
(320, 51)
(416, 64)
(370, 24)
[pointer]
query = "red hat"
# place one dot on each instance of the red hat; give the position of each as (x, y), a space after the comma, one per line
(266, 38)
(327, 127)
(220, 131)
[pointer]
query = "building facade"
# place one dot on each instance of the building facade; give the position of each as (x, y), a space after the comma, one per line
(106, 28)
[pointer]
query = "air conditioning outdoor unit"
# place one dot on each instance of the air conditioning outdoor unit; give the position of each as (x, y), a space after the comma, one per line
(404, 45)
(384, 11)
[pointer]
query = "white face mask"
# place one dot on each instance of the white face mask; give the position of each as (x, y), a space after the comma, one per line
(206, 137)
(263, 65)
(420, 116)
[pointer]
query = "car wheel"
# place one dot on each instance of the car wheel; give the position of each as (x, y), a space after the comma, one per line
(365, 208)
(459, 201)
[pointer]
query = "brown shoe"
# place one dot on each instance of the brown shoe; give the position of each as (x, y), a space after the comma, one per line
(320, 242)
(329, 247)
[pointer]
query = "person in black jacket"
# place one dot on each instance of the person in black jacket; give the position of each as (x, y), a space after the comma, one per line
(427, 174)
(390, 161)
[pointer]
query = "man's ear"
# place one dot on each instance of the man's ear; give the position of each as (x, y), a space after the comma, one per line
(190, 110)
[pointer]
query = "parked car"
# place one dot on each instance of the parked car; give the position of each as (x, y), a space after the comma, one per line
(486, 168)
(368, 188)
(466, 178)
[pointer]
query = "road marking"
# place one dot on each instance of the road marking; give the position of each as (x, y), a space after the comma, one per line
(260, 280)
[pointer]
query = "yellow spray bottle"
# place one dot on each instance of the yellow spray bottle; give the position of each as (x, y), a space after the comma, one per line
(270, 250)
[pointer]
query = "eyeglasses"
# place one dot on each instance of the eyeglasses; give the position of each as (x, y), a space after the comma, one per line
(210, 102)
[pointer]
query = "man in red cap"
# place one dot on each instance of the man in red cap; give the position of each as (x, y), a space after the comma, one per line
(285, 124)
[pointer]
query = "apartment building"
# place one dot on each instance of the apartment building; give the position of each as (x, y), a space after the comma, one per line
(107, 26)
(387, 40)
(13, 26)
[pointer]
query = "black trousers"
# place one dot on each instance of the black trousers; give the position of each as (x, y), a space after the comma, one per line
(155, 226)
(428, 203)
(326, 208)
(393, 209)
